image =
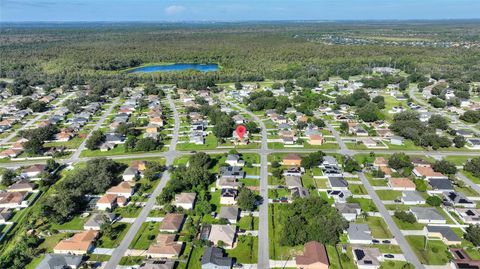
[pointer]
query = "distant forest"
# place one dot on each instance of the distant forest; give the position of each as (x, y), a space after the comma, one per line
(70, 54)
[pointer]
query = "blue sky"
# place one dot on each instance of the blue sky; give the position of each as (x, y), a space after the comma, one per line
(234, 10)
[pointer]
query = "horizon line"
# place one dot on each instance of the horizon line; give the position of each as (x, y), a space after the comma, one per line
(244, 21)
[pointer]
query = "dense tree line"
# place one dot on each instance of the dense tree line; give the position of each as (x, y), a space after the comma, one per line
(310, 219)
(408, 125)
(195, 177)
(69, 198)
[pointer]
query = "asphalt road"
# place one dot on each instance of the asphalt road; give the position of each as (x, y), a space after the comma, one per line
(453, 118)
(32, 121)
(119, 252)
(402, 242)
(76, 154)
(263, 241)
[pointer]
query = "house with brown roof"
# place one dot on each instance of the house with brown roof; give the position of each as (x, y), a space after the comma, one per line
(316, 139)
(12, 199)
(427, 173)
(124, 189)
(172, 222)
(139, 165)
(23, 185)
(107, 202)
(165, 247)
(292, 160)
(387, 170)
(33, 171)
(185, 200)
(10, 153)
(314, 257)
(401, 184)
(79, 244)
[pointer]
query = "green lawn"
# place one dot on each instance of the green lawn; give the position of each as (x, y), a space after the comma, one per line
(120, 229)
(436, 252)
(402, 225)
(246, 249)
(365, 204)
(130, 211)
(392, 265)
(145, 235)
(388, 195)
(357, 189)
(75, 224)
(378, 227)
(248, 223)
(210, 143)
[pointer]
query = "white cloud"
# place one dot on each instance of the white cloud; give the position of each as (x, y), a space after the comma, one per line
(174, 9)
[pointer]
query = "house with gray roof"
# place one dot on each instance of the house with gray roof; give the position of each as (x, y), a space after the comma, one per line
(97, 219)
(444, 233)
(441, 184)
(359, 233)
(457, 199)
(412, 198)
(337, 183)
(60, 261)
(214, 258)
(293, 182)
(229, 213)
(349, 211)
(428, 215)
(299, 192)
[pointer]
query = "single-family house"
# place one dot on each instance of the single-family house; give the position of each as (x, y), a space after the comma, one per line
(349, 211)
(228, 196)
(214, 258)
(359, 233)
(229, 213)
(314, 257)
(223, 233)
(79, 244)
(367, 258)
(185, 200)
(444, 233)
(165, 246)
(60, 261)
(292, 160)
(427, 215)
(401, 184)
(172, 222)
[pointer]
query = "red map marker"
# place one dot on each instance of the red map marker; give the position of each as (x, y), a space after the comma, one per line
(241, 131)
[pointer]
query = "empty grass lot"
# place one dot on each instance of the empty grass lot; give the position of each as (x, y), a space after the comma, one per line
(435, 253)
(378, 227)
(145, 235)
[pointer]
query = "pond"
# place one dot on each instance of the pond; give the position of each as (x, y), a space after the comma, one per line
(174, 67)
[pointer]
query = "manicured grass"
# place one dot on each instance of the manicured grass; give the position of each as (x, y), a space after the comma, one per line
(248, 223)
(435, 253)
(131, 260)
(392, 264)
(51, 241)
(402, 225)
(120, 230)
(210, 143)
(118, 150)
(71, 144)
(98, 257)
(388, 195)
(365, 204)
(130, 211)
(75, 224)
(145, 235)
(458, 159)
(357, 189)
(246, 250)
(377, 226)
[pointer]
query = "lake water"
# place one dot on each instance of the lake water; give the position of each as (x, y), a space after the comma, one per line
(174, 67)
